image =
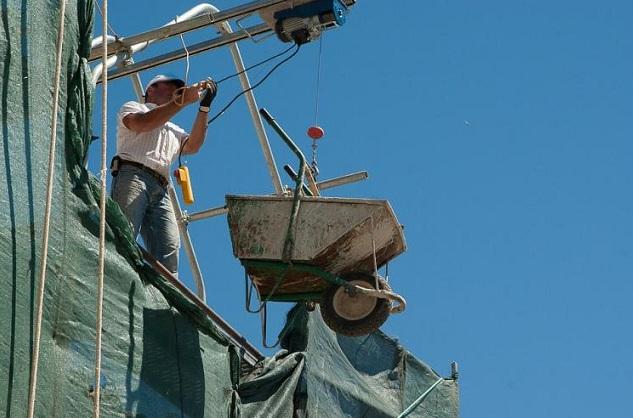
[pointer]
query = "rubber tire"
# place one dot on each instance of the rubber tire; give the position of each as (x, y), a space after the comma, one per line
(359, 327)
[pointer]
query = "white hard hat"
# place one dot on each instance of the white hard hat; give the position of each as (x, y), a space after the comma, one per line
(164, 78)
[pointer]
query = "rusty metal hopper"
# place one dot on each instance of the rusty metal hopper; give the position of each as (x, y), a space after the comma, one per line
(336, 234)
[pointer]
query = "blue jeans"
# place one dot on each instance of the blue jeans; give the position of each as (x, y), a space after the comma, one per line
(148, 208)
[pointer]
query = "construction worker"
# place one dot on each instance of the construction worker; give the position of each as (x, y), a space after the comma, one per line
(147, 144)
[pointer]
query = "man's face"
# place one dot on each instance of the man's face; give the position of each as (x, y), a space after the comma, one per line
(161, 92)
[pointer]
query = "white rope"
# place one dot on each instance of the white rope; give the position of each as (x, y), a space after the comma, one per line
(184, 45)
(182, 39)
(180, 101)
(47, 215)
(102, 213)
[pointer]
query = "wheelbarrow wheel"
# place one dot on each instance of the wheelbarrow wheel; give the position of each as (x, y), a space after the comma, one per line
(354, 315)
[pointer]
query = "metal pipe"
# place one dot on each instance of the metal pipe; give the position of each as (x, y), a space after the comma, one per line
(137, 85)
(251, 354)
(293, 175)
(454, 370)
(96, 43)
(206, 214)
(193, 50)
(194, 23)
(296, 150)
(122, 60)
(139, 46)
(291, 144)
(193, 261)
(252, 108)
(98, 69)
(339, 181)
(195, 11)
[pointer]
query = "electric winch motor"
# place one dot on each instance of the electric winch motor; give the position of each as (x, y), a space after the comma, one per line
(304, 22)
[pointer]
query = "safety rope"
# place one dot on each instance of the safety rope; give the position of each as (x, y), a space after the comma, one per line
(47, 215)
(102, 217)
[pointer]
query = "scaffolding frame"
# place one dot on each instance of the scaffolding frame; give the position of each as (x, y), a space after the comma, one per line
(121, 56)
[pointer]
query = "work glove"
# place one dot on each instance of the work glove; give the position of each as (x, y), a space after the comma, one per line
(207, 96)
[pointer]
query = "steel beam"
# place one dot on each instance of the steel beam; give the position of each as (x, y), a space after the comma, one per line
(193, 50)
(210, 213)
(249, 352)
(339, 181)
(174, 29)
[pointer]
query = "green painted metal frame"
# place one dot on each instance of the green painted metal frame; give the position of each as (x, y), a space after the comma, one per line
(289, 242)
(283, 267)
(296, 297)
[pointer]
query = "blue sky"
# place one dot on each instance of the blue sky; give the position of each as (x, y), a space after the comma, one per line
(501, 134)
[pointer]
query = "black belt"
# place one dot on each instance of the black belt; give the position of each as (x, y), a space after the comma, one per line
(161, 179)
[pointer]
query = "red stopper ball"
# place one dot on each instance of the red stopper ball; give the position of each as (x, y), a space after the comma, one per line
(315, 132)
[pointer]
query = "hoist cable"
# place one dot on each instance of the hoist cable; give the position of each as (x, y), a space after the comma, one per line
(314, 165)
(318, 83)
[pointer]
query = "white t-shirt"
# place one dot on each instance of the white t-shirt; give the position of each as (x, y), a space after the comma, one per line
(155, 149)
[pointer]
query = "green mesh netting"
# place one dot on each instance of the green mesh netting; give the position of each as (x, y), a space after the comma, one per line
(370, 376)
(162, 357)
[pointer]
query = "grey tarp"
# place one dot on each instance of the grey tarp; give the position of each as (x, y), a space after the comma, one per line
(162, 357)
(370, 376)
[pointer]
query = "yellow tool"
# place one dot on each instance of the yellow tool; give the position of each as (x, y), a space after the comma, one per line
(182, 176)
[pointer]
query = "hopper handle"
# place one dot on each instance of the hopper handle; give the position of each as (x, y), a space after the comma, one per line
(293, 147)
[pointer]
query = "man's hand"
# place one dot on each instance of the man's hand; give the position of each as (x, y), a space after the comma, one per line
(208, 94)
(186, 95)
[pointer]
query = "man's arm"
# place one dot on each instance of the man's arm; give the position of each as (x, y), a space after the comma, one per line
(148, 121)
(157, 117)
(199, 129)
(198, 134)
